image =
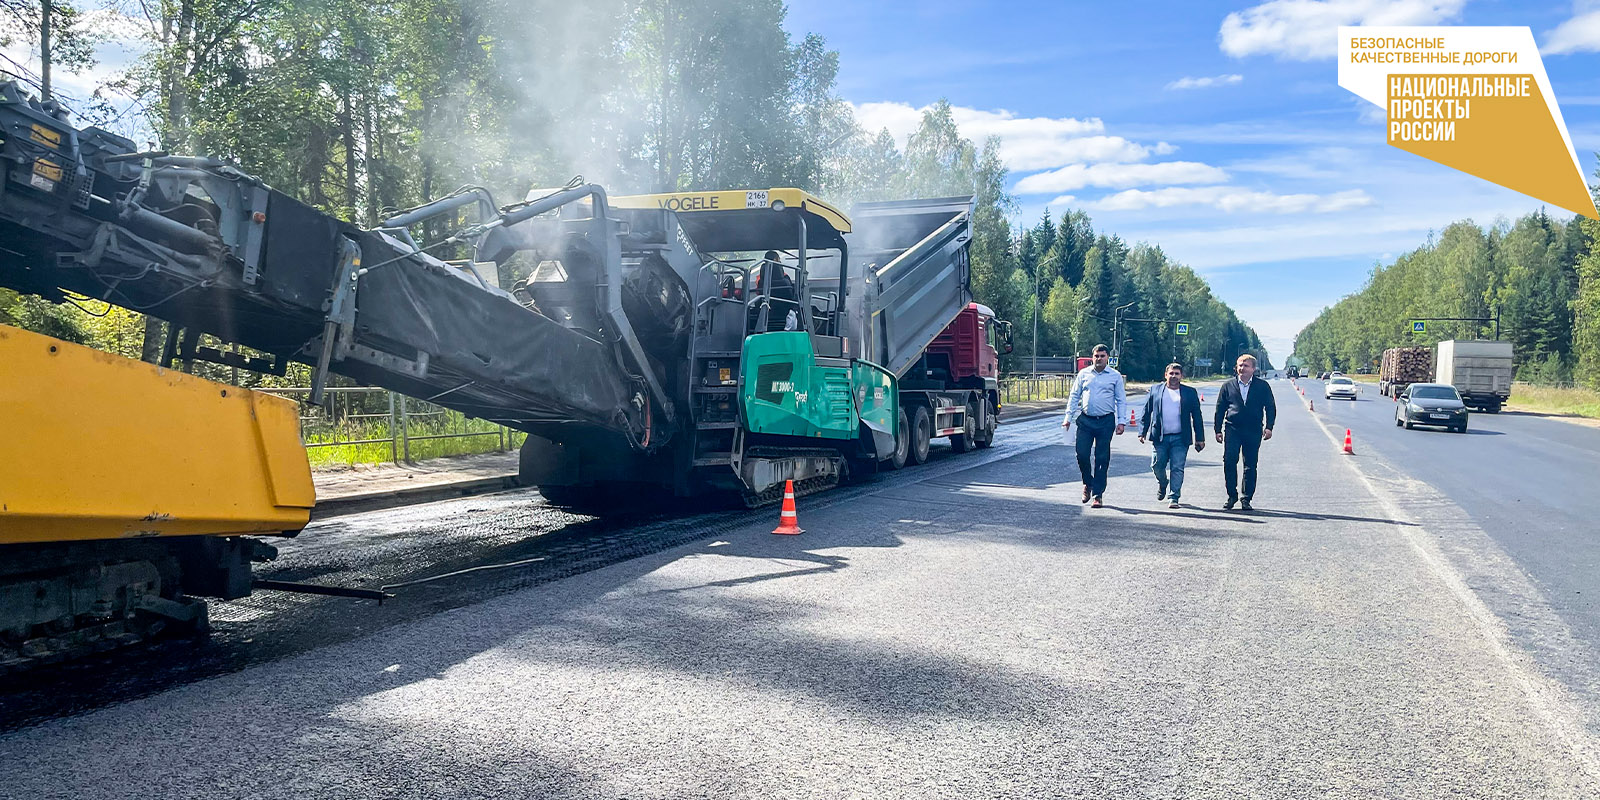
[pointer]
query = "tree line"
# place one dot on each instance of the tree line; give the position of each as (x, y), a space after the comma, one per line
(1094, 288)
(1535, 281)
(362, 108)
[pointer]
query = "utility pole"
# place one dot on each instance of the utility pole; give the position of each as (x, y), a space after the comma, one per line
(47, 8)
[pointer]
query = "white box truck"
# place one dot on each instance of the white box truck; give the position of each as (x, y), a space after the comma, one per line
(1480, 370)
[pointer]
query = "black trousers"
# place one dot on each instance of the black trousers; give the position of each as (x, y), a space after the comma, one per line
(1094, 434)
(1235, 443)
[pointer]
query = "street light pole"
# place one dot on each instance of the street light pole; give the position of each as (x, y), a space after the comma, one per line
(1116, 321)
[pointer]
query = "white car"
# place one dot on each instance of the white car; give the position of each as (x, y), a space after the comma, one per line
(1341, 387)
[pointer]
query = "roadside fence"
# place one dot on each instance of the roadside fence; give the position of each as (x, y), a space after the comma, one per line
(369, 425)
(1017, 388)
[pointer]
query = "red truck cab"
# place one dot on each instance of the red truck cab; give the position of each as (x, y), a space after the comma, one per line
(972, 345)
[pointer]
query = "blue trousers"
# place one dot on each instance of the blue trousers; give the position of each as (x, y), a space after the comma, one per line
(1094, 437)
(1172, 453)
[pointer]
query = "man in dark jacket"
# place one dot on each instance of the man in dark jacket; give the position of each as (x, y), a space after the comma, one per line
(1245, 415)
(1172, 422)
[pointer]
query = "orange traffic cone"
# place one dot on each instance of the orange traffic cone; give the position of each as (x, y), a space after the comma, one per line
(788, 523)
(1131, 420)
(1349, 449)
(1311, 405)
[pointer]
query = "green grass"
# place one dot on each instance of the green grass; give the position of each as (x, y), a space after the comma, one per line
(1552, 400)
(329, 446)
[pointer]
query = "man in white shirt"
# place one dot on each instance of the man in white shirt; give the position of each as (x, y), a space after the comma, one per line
(1172, 422)
(1098, 403)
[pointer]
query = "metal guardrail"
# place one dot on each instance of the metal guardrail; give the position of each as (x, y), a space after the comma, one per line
(347, 409)
(1033, 387)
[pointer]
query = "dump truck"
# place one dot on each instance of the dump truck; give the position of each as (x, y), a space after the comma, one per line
(126, 492)
(1480, 369)
(1402, 366)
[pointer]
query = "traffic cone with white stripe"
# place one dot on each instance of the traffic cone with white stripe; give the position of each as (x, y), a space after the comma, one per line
(1349, 449)
(788, 523)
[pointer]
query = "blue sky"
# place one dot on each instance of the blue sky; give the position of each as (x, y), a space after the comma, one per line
(1215, 130)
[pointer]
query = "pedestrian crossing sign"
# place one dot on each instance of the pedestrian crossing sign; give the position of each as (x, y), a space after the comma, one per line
(1419, 326)
(1113, 361)
(1183, 329)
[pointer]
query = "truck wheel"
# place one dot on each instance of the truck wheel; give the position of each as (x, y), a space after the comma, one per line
(962, 442)
(985, 435)
(1494, 408)
(921, 435)
(902, 443)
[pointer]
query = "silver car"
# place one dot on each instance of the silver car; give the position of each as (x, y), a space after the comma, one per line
(1431, 404)
(1341, 387)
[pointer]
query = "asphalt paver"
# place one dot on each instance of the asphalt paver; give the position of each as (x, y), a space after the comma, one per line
(976, 632)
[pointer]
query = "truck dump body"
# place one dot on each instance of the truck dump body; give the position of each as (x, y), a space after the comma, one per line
(910, 276)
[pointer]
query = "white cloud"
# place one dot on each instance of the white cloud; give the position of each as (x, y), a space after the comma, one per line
(900, 119)
(1233, 199)
(1579, 34)
(1026, 143)
(1306, 30)
(1119, 176)
(1205, 83)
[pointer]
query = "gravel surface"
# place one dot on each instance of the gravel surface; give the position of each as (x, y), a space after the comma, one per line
(964, 630)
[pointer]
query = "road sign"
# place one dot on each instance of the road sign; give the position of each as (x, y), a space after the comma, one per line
(1113, 361)
(1202, 362)
(1183, 329)
(1419, 326)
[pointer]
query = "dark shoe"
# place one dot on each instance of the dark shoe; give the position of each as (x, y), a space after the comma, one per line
(1085, 494)
(1161, 492)
(1173, 504)
(1097, 503)
(1228, 506)
(1244, 505)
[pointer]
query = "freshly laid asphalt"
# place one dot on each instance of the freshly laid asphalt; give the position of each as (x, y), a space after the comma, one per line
(969, 631)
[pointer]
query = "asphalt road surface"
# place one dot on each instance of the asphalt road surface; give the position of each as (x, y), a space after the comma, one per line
(966, 629)
(1526, 488)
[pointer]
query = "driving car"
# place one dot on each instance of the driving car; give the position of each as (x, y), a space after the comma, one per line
(1434, 404)
(1341, 387)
